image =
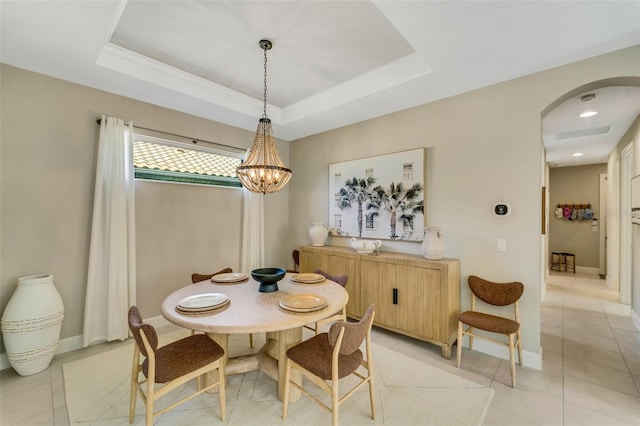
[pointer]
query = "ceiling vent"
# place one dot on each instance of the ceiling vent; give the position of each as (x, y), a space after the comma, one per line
(584, 132)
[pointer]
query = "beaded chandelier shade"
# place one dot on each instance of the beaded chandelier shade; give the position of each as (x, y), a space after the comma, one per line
(263, 171)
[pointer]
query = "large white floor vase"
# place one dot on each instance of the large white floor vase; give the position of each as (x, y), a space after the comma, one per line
(31, 324)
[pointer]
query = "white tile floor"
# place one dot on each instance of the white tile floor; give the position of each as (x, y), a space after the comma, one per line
(590, 374)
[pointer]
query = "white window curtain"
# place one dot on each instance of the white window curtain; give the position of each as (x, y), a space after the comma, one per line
(252, 232)
(111, 278)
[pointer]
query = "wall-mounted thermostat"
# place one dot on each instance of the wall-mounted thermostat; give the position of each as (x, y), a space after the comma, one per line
(502, 209)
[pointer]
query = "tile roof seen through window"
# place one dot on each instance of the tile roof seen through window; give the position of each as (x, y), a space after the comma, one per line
(153, 156)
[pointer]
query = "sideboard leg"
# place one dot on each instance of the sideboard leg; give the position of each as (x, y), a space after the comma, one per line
(446, 351)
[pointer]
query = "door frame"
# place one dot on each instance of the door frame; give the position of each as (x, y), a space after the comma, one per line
(602, 252)
(626, 242)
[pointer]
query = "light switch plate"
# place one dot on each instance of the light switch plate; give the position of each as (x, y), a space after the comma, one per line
(501, 245)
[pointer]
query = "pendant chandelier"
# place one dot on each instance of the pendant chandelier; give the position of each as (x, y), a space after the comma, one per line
(263, 171)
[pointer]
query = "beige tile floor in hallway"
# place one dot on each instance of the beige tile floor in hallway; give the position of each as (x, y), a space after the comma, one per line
(590, 374)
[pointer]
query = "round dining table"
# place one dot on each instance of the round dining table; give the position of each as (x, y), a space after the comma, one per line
(250, 311)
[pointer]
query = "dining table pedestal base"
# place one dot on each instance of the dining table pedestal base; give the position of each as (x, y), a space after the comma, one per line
(266, 360)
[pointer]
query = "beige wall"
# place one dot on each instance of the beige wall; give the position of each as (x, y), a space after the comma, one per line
(48, 156)
(483, 147)
(568, 185)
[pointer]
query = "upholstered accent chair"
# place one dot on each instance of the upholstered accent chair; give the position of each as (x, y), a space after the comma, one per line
(340, 316)
(329, 357)
(171, 365)
(196, 278)
(497, 294)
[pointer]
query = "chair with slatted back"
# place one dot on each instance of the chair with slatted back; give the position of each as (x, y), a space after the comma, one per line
(497, 294)
(196, 278)
(331, 357)
(340, 316)
(171, 365)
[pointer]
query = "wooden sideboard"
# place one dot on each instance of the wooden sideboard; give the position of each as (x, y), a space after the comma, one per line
(413, 296)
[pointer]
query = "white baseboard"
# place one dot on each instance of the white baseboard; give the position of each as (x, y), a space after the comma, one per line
(73, 343)
(529, 359)
(587, 270)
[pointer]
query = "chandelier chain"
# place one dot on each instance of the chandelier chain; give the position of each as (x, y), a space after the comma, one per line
(264, 109)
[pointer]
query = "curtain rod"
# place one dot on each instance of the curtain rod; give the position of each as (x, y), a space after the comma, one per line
(194, 140)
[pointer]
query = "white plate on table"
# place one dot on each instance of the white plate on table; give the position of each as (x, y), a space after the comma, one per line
(202, 302)
(303, 302)
(230, 277)
(203, 311)
(307, 278)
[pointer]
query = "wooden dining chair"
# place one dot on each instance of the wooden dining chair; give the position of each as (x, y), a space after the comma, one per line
(497, 294)
(340, 316)
(171, 365)
(331, 357)
(296, 260)
(196, 278)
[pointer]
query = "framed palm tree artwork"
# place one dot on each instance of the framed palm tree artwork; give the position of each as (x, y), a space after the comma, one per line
(379, 197)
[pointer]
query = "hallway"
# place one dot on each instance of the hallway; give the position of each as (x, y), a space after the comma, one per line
(598, 345)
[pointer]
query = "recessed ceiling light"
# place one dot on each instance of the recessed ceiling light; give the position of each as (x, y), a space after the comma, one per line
(578, 154)
(588, 114)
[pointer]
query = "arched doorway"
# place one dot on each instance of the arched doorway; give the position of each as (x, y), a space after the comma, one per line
(611, 218)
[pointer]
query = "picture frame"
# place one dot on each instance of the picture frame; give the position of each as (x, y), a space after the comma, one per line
(635, 200)
(380, 197)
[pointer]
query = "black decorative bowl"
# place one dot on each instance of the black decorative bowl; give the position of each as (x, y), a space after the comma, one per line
(268, 278)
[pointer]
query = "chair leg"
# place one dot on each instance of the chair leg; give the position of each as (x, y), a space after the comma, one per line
(470, 338)
(519, 347)
(372, 392)
(148, 418)
(251, 340)
(334, 403)
(459, 343)
(222, 379)
(512, 361)
(134, 385)
(285, 401)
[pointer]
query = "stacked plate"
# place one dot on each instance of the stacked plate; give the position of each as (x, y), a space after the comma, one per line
(307, 278)
(202, 303)
(232, 277)
(303, 303)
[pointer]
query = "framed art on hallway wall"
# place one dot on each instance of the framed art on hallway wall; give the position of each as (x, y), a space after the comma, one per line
(380, 197)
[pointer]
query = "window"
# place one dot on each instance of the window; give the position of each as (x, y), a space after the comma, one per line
(337, 221)
(159, 159)
(370, 222)
(408, 171)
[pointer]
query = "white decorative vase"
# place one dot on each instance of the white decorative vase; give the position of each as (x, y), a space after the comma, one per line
(318, 234)
(31, 324)
(433, 244)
